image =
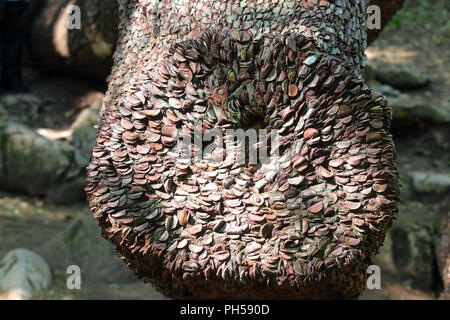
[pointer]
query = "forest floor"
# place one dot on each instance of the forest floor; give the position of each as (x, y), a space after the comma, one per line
(27, 222)
(418, 38)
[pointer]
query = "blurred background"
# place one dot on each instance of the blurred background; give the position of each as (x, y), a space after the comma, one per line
(47, 129)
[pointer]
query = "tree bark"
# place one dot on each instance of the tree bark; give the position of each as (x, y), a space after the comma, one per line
(303, 226)
(388, 9)
(88, 52)
(85, 52)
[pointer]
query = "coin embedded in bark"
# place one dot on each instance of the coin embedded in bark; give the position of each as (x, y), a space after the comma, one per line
(203, 222)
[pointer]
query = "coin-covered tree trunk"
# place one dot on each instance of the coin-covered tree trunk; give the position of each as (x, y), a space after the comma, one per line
(88, 51)
(73, 37)
(303, 224)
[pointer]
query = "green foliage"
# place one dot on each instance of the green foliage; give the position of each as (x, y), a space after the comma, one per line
(56, 295)
(425, 14)
(395, 23)
(114, 286)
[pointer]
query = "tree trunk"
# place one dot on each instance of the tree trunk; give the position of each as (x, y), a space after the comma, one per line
(388, 9)
(88, 52)
(302, 225)
(83, 52)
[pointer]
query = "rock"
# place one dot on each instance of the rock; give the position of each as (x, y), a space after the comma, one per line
(102, 49)
(23, 275)
(407, 111)
(406, 190)
(400, 78)
(442, 247)
(432, 113)
(22, 108)
(440, 138)
(67, 192)
(384, 258)
(84, 130)
(33, 164)
(388, 91)
(369, 75)
(373, 295)
(428, 182)
(407, 254)
(81, 244)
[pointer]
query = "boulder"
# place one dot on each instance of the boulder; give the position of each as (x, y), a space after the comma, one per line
(406, 191)
(407, 111)
(407, 254)
(441, 138)
(400, 78)
(81, 244)
(22, 108)
(442, 247)
(429, 182)
(84, 129)
(33, 164)
(23, 275)
(369, 75)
